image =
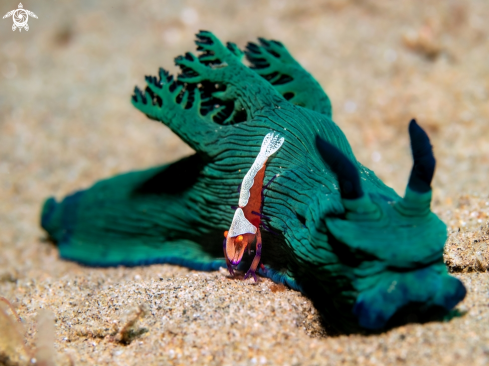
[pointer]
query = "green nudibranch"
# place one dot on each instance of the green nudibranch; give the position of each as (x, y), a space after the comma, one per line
(360, 251)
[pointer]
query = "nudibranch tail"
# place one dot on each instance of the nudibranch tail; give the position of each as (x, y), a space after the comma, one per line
(271, 143)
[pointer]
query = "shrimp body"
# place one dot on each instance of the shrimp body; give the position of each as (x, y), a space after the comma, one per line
(245, 227)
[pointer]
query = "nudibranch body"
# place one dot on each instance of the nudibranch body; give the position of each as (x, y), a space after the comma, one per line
(245, 227)
(364, 254)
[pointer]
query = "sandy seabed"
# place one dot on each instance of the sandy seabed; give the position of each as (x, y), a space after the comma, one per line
(66, 121)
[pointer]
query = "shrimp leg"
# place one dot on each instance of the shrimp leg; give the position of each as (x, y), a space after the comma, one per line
(256, 260)
(269, 182)
(228, 263)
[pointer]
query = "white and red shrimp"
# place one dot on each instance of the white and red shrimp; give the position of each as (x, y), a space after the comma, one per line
(245, 227)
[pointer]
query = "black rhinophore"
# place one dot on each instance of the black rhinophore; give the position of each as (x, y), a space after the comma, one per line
(345, 170)
(424, 160)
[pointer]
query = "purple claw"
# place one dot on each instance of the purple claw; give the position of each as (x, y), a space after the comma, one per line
(251, 273)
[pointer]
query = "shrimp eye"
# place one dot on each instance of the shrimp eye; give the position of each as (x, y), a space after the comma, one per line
(226, 234)
(239, 239)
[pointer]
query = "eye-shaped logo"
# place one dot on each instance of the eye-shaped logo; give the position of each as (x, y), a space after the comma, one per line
(20, 17)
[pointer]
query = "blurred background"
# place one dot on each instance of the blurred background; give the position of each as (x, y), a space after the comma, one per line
(66, 119)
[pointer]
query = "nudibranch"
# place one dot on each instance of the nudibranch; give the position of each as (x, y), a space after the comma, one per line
(364, 254)
(245, 227)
